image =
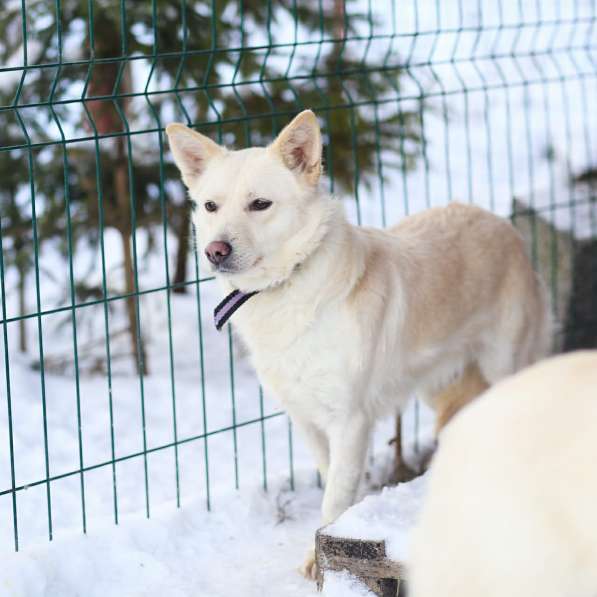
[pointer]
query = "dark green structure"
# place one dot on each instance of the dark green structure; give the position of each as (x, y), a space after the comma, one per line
(420, 102)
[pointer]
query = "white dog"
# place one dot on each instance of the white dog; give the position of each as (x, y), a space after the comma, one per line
(344, 323)
(512, 503)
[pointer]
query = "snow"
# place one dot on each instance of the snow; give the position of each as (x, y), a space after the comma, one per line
(343, 584)
(251, 542)
(388, 516)
(241, 548)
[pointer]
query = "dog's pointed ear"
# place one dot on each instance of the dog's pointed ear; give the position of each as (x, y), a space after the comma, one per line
(191, 150)
(299, 146)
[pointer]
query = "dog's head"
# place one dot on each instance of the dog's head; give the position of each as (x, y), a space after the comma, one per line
(258, 211)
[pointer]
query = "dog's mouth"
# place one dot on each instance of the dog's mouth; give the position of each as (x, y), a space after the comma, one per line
(233, 268)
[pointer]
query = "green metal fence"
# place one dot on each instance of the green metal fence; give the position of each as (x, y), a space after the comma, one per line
(420, 103)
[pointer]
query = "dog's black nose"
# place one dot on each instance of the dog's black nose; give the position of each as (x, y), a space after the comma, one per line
(218, 251)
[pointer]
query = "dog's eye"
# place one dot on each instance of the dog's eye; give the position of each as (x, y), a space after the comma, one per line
(259, 204)
(211, 206)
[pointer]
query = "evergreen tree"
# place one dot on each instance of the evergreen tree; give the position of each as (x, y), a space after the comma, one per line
(104, 68)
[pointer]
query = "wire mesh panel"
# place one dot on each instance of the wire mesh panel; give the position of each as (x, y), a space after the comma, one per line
(119, 395)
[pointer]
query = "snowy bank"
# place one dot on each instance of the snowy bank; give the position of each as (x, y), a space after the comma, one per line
(388, 516)
(251, 544)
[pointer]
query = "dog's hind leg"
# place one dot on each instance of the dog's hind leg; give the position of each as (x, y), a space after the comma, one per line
(402, 471)
(458, 394)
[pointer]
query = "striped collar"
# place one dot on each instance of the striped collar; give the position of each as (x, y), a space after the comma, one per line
(224, 311)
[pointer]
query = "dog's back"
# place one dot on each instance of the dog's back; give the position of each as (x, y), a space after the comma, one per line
(476, 311)
(479, 264)
(512, 500)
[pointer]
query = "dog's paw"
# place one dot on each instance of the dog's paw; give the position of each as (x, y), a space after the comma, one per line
(309, 569)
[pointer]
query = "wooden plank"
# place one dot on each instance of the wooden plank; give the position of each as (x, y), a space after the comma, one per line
(366, 560)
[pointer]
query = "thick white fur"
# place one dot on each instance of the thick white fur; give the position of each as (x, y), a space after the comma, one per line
(351, 321)
(511, 508)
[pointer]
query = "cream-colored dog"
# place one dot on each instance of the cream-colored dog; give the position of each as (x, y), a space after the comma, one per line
(512, 502)
(348, 322)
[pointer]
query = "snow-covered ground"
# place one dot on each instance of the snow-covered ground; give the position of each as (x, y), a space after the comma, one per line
(250, 544)
(494, 146)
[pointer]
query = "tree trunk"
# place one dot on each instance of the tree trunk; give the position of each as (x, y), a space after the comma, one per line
(137, 350)
(22, 306)
(125, 230)
(22, 264)
(339, 16)
(182, 255)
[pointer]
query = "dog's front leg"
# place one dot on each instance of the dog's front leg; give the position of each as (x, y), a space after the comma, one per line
(348, 441)
(316, 441)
